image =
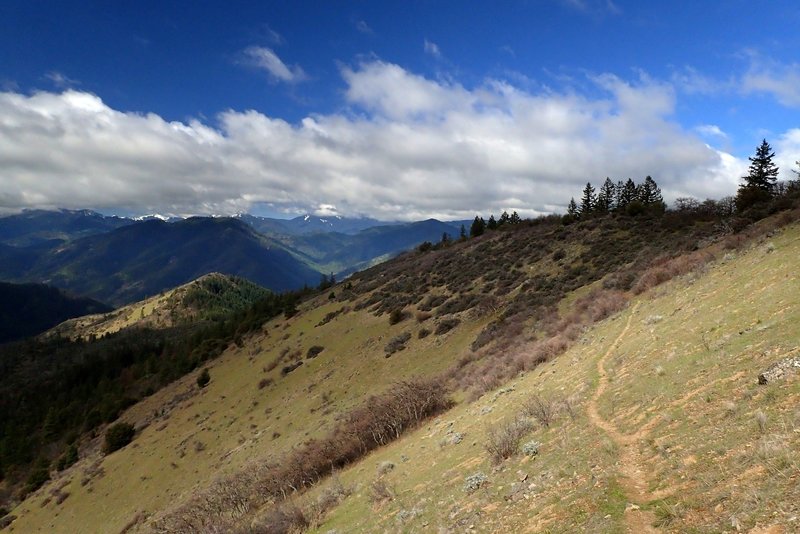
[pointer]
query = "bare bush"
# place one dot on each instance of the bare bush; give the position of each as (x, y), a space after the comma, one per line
(286, 518)
(379, 491)
(543, 410)
(503, 440)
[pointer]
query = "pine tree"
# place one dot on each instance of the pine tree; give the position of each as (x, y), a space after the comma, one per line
(462, 233)
(492, 224)
(618, 191)
(504, 219)
(649, 192)
(763, 172)
(478, 227)
(627, 195)
(514, 219)
(572, 208)
(606, 197)
(588, 200)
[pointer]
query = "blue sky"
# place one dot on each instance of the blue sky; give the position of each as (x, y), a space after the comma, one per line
(389, 109)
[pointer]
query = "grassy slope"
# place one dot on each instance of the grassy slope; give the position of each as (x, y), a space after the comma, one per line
(235, 420)
(682, 398)
(671, 376)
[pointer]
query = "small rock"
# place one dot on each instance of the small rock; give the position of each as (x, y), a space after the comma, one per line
(522, 476)
(779, 370)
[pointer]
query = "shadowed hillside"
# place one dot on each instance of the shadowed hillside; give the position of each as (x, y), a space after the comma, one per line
(143, 259)
(29, 309)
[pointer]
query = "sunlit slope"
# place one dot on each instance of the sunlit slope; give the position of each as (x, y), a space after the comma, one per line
(206, 298)
(248, 411)
(678, 436)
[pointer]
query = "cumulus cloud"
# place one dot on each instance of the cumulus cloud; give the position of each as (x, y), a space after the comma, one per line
(267, 60)
(406, 147)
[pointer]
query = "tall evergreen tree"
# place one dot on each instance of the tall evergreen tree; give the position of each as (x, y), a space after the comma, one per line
(478, 227)
(462, 233)
(606, 197)
(628, 194)
(514, 219)
(504, 219)
(648, 192)
(492, 224)
(588, 200)
(763, 172)
(618, 191)
(572, 208)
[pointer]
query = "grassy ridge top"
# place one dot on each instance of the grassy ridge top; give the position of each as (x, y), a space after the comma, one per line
(210, 297)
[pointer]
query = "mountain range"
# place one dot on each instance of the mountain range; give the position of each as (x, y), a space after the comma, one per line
(121, 260)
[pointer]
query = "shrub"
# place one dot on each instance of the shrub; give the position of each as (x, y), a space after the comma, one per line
(423, 333)
(542, 410)
(291, 367)
(203, 378)
(531, 448)
(69, 457)
(264, 382)
(397, 316)
(503, 440)
(446, 325)
(314, 351)
(283, 519)
(475, 482)
(379, 491)
(36, 479)
(397, 343)
(117, 436)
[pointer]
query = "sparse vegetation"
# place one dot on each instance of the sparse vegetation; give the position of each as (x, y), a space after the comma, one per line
(503, 440)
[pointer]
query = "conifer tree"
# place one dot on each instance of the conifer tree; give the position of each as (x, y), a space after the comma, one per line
(763, 172)
(492, 224)
(628, 195)
(588, 200)
(504, 219)
(514, 219)
(572, 208)
(618, 191)
(478, 227)
(648, 192)
(606, 197)
(462, 233)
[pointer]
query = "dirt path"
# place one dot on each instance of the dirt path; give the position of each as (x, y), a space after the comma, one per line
(634, 475)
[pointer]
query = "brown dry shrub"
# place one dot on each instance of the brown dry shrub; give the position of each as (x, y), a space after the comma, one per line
(503, 440)
(543, 410)
(669, 269)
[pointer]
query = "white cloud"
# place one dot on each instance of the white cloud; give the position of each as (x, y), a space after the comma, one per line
(60, 80)
(432, 49)
(363, 27)
(787, 154)
(266, 59)
(711, 130)
(780, 80)
(407, 148)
